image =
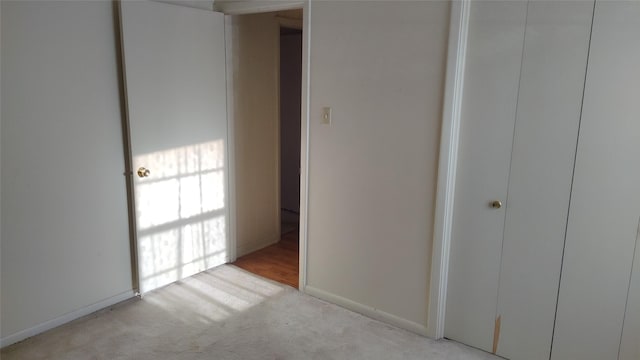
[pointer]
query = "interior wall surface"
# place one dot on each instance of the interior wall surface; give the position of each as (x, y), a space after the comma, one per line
(65, 237)
(255, 54)
(380, 66)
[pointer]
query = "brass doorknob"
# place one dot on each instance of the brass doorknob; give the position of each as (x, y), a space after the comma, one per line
(497, 204)
(143, 172)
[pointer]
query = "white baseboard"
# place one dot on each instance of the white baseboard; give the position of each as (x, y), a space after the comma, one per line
(367, 310)
(48, 325)
(248, 249)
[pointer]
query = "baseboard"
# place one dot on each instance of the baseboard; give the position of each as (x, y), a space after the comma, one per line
(244, 250)
(48, 325)
(367, 310)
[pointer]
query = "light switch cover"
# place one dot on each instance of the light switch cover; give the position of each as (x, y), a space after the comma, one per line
(326, 115)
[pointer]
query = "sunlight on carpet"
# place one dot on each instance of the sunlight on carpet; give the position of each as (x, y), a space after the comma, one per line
(227, 313)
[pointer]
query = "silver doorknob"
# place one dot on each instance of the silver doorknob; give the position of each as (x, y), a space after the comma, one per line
(497, 204)
(143, 172)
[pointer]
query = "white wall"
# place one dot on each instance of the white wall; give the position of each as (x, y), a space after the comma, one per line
(65, 240)
(255, 56)
(380, 66)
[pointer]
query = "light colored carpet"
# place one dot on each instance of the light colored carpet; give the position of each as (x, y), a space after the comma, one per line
(227, 313)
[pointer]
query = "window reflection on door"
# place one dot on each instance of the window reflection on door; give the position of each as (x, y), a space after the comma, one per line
(181, 213)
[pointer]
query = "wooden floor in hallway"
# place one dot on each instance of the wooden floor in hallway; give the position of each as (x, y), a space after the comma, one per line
(278, 262)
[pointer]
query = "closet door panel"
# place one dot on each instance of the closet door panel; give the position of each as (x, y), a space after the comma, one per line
(605, 203)
(554, 63)
(630, 345)
(494, 55)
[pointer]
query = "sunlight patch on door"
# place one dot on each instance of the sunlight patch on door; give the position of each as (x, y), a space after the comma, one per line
(181, 213)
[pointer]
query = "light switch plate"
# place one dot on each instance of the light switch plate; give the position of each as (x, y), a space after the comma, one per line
(326, 116)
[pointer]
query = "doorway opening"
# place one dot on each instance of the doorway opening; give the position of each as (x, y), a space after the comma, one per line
(267, 77)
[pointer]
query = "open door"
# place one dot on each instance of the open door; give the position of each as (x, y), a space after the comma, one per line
(175, 80)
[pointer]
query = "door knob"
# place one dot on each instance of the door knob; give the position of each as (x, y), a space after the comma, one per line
(497, 204)
(143, 172)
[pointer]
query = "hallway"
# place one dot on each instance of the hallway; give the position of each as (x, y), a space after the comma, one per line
(278, 262)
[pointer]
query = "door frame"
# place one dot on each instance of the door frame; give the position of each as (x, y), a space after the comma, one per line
(447, 164)
(128, 155)
(255, 7)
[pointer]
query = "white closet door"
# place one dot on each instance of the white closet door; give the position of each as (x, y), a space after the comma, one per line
(554, 63)
(630, 344)
(523, 90)
(496, 32)
(605, 202)
(174, 59)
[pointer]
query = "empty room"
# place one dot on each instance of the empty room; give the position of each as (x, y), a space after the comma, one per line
(320, 179)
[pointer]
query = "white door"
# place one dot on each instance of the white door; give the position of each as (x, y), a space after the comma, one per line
(174, 63)
(596, 306)
(496, 32)
(521, 109)
(630, 342)
(552, 76)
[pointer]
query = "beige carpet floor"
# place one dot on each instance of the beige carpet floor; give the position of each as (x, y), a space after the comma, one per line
(227, 313)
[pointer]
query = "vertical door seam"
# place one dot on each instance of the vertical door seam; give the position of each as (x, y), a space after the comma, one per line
(575, 157)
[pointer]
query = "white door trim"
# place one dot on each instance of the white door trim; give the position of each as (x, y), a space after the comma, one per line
(447, 163)
(304, 144)
(253, 7)
(232, 243)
